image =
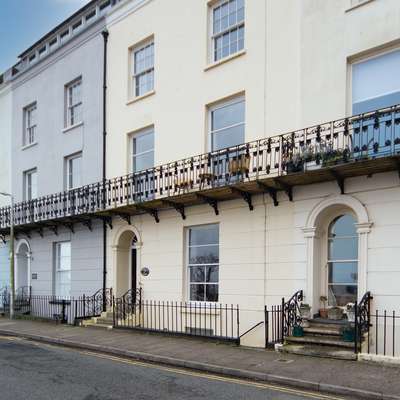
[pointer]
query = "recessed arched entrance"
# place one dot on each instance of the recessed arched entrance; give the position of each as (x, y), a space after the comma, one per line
(337, 247)
(126, 262)
(22, 270)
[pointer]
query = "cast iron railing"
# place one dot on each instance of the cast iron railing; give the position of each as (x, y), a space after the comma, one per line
(362, 320)
(280, 319)
(383, 337)
(218, 321)
(366, 136)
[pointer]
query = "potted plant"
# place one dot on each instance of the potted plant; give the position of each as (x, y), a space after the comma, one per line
(351, 312)
(323, 312)
(295, 164)
(335, 313)
(312, 158)
(298, 331)
(349, 333)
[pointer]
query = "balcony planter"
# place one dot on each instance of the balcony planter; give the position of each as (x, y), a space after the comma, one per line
(294, 165)
(349, 334)
(335, 313)
(334, 157)
(298, 331)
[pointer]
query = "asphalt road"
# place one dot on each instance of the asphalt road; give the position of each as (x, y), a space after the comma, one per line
(33, 371)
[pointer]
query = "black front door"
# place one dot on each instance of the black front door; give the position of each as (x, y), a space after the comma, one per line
(133, 270)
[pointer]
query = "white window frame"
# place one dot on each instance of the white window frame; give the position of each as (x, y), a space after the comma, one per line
(69, 172)
(134, 136)
(69, 106)
(30, 128)
(133, 75)
(218, 106)
(57, 270)
(188, 264)
(28, 194)
(213, 37)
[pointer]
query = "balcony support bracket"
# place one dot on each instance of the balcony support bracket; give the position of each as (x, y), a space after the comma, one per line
(40, 232)
(125, 217)
(70, 227)
(54, 229)
(152, 211)
(212, 202)
(285, 187)
(246, 197)
(180, 208)
(88, 224)
(3, 238)
(270, 190)
(339, 179)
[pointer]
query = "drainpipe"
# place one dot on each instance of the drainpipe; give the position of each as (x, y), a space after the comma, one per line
(105, 38)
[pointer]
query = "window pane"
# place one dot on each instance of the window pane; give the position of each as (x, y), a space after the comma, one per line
(144, 142)
(212, 273)
(343, 249)
(143, 161)
(343, 226)
(211, 293)
(201, 235)
(343, 272)
(197, 292)
(340, 295)
(197, 274)
(228, 138)
(370, 93)
(228, 115)
(204, 254)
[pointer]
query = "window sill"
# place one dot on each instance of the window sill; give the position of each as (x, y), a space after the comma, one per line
(72, 127)
(226, 59)
(138, 98)
(28, 146)
(358, 5)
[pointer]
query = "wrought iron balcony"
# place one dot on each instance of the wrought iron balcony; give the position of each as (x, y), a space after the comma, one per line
(359, 145)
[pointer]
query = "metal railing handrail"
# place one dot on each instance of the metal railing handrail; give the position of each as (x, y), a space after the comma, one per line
(269, 156)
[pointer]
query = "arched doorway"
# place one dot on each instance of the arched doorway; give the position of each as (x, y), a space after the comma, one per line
(23, 258)
(337, 250)
(342, 261)
(126, 263)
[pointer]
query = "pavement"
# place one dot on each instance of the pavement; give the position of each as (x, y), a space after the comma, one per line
(360, 380)
(37, 371)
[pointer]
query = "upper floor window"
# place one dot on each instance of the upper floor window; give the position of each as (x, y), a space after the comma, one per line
(30, 124)
(203, 262)
(143, 69)
(227, 124)
(227, 28)
(74, 103)
(73, 171)
(62, 281)
(143, 150)
(30, 184)
(376, 83)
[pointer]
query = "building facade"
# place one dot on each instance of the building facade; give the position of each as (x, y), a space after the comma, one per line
(224, 184)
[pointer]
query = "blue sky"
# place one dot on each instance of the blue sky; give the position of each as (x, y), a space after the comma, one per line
(22, 22)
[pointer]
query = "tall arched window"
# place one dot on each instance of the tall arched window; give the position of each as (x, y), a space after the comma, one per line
(342, 261)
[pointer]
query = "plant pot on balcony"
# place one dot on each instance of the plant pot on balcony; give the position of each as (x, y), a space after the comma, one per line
(335, 313)
(294, 166)
(312, 165)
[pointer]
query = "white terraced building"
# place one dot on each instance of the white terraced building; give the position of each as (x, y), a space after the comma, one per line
(225, 188)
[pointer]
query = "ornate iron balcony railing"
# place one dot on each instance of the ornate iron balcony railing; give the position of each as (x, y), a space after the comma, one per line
(348, 141)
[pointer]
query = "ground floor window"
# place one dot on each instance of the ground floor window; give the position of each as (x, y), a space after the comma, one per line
(203, 262)
(62, 284)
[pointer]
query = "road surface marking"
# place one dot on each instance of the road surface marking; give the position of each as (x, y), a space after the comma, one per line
(214, 377)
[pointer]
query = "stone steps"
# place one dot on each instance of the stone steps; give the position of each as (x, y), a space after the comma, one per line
(320, 340)
(319, 351)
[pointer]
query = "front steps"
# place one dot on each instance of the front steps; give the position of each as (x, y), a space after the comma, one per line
(105, 321)
(323, 338)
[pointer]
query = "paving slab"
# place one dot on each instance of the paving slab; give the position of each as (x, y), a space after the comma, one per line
(357, 379)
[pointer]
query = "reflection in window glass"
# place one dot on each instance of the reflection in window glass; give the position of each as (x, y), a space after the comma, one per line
(342, 261)
(203, 250)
